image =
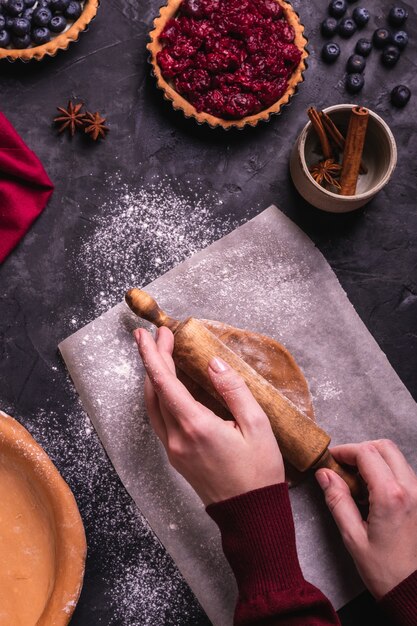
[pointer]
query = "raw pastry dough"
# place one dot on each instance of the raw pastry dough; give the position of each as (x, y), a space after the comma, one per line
(42, 540)
(270, 359)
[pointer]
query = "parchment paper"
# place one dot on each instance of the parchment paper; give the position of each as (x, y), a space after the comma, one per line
(266, 276)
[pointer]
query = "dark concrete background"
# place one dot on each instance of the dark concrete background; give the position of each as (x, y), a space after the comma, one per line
(373, 251)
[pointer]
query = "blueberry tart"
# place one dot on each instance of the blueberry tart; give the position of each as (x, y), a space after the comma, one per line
(31, 29)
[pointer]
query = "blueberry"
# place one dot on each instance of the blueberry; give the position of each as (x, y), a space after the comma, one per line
(4, 38)
(381, 37)
(73, 11)
(337, 8)
(329, 27)
(57, 24)
(397, 16)
(355, 64)
(400, 95)
(43, 4)
(27, 13)
(354, 82)
(361, 16)
(13, 7)
(29, 3)
(363, 47)
(22, 42)
(351, 1)
(390, 56)
(330, 52)
(9, 22)
(347, 27)
(59, 6)
(21, 27)
(2, 22)
(400, 39)
(41, 35)
(41, 17)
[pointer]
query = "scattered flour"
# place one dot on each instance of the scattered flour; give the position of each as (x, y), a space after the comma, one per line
(142, 232)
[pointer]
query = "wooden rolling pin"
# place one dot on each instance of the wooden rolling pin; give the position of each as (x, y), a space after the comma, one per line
(301, 441)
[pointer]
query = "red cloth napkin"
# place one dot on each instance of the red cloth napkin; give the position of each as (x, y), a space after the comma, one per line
(24, 187)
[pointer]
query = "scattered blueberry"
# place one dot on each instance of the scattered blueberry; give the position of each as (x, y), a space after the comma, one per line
(400, 39)
(337, 8)
(330, 52)
(381, 38)
(397, 16)
(400, 95)
(329, 27)
(57, 24)
(22, 42)
(59, 6)
(361, 16)
(347, 27)
(2, 22)
(4, 38)
(14, 7)
(41, 35)
(355, 64)
(354, 82)
(390, 56)
(363, 47)
(21, 27)
(41, 17)
(73, 11)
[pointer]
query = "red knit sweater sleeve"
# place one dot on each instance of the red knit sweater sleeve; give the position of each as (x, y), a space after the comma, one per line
(400, 604)
(259, 542)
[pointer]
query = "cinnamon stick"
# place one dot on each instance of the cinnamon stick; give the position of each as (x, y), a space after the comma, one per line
(334, 133)
(315, 119)
(352, 155)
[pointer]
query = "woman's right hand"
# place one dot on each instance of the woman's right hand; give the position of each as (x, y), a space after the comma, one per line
(384, 547)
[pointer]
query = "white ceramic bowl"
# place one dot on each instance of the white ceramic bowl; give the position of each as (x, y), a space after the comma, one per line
(379, 156)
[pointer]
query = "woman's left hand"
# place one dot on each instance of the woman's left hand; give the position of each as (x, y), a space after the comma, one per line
(220, 459)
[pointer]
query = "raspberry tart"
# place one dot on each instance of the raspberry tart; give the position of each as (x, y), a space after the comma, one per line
(228, 62)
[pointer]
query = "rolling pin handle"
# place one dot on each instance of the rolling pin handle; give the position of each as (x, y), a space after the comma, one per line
(352, 479)
(145, 306)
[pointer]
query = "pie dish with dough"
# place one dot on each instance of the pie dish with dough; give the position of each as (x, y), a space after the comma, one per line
(228, 63)
(271, 360)
(42, 539)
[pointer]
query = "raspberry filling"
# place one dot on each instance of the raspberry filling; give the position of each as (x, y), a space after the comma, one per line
(229, 58)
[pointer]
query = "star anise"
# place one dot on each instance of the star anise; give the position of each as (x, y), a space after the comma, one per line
(70, 118)
(326, 172)
(94, 126)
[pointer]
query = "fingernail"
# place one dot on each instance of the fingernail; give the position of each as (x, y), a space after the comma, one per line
(218, 365)
(137, 336)
(323, 479)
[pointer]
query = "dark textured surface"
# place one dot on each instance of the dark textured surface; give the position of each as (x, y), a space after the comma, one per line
(373, 251)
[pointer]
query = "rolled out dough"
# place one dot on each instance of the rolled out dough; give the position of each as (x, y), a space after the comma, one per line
(271, 360)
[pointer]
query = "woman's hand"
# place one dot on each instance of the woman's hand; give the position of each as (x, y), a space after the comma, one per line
(384, 547)
(220, 459)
